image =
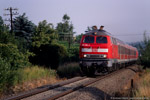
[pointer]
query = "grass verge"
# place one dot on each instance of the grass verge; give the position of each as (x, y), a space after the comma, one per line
(36, 72)
(143, 86)
(31, 77)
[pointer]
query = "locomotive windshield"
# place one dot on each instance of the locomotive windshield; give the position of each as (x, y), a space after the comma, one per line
(101, 39)
(88, 39)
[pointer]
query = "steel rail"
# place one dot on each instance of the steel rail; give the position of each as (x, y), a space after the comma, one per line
(80, 86)
(40, 89)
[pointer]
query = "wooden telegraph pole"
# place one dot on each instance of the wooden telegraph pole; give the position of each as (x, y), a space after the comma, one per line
(11, 14)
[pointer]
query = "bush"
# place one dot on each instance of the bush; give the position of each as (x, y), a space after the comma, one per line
(11, 54)
(8, 77)
(69, 70)
(49, 55)
(4, 73)
(10, 61)
(145, 54)
(74, 54)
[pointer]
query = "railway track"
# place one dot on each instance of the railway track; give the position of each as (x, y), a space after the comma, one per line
(62, 93)
(43, 89)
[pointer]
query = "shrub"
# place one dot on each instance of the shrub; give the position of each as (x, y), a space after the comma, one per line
(10, 61)
(74, 54)
(68, 70)
(8, 77)
(145, 54)
(11, 54)
(49, 55)
(4, 73)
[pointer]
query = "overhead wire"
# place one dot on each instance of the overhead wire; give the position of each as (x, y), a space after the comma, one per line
(130, 34)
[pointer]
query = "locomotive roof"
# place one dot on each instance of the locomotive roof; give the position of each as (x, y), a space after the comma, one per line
(98, 32)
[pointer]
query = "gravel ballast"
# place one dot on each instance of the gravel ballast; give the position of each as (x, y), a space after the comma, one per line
(104, 89)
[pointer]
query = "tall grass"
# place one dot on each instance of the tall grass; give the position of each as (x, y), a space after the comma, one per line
(143, 87)
(69, 70)
(35, 72)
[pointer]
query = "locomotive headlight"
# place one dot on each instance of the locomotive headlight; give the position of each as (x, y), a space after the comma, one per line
(104, 56)
(84, 55)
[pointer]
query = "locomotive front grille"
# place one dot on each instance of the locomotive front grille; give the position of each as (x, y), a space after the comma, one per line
(96, 56)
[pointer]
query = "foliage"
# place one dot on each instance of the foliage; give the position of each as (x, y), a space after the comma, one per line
(8, 77)
(3, 27)
(145, 54)
(44, 34)
(78, 38)
(4, 73)
(65, 29)
(50, 55)
(11, 54)
(24, 29)
(68, 70)
(74, 54)
(5, 36)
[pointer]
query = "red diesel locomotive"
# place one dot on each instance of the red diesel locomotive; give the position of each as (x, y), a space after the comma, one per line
(102, 52)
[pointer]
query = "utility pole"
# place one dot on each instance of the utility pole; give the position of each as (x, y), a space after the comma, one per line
(11, 14)
(69, 40)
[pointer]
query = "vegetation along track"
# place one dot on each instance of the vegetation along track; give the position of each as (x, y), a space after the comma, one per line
(63, 93)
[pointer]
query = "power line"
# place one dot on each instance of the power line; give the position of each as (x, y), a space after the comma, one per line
(11, 14)
(130, 34)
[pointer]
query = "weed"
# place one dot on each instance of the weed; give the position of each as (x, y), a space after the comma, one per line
(143, 87)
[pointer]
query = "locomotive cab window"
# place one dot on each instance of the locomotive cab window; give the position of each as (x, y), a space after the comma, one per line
(88, 39)
(101, 39)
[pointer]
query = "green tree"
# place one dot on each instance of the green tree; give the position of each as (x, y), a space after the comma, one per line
(24, 30)
(44, 34)
(78, 38)
(5, 36)
(65, 28)
(47, 52)
(1, 25)
(145, 52)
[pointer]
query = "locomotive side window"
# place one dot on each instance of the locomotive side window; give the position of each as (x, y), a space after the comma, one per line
(88, 39)
(101, 39)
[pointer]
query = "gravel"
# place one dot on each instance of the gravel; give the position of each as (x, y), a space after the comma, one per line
(44, 95)
(104, 89)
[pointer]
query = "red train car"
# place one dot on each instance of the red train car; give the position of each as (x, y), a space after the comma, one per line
(101, 52)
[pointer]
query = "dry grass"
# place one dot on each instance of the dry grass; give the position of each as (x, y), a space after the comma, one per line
(143, 86)
(35, 76)
(36, 72)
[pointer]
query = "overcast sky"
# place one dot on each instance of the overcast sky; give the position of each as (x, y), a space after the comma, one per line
(122, 18)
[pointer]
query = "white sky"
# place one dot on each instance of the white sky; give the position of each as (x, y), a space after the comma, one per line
(120, 17)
